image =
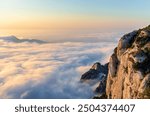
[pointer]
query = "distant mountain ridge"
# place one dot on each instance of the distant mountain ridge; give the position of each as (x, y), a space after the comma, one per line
(16, 40)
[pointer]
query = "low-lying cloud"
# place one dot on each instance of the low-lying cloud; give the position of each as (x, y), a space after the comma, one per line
(52, 70)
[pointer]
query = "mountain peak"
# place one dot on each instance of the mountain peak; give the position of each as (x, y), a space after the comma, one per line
(9, 38)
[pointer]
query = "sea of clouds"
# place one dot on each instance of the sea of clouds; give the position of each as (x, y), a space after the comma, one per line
(51, 70)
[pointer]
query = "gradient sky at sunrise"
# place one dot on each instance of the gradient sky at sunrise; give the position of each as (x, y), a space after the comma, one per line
(64, 17)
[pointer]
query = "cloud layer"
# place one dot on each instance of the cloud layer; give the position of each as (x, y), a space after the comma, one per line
(52, 70)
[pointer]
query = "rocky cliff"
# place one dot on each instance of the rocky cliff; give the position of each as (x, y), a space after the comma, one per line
(129, 68)
(96, 71)
(99, 73)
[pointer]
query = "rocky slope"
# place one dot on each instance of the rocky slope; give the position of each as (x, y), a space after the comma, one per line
(96, 71)
(99, 73)
(129, 68)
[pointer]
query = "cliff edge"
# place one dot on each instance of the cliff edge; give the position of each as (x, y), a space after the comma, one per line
(129, 67)
(127, 75)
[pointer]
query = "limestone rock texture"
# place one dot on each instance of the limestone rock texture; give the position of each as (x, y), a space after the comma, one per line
(129, 67)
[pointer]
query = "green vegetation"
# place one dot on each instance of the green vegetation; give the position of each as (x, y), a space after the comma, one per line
(147, 50)
(136, 66)
(147, 28)
(146, 93)
(141, 42)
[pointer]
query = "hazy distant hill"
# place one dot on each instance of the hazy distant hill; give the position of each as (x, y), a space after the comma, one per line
(16, 40)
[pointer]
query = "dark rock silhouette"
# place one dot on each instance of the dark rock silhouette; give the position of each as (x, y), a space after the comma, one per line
(97, 71)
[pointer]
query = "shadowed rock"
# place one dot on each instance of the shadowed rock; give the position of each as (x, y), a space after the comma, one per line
(97, 71)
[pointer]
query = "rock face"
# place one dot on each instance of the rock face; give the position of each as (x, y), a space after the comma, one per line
(101, 89)
(129, 67)
(97, 71)
(127, 76)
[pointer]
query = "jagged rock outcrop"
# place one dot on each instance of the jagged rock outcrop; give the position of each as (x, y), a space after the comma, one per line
(101, 89)
(128, 73)
(129, 67)
(97, 71)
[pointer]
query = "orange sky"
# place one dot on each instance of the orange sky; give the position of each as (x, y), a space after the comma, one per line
(52, 18)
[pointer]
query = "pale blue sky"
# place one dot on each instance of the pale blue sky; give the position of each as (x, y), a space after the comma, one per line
(126, 8)
(73, 14)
